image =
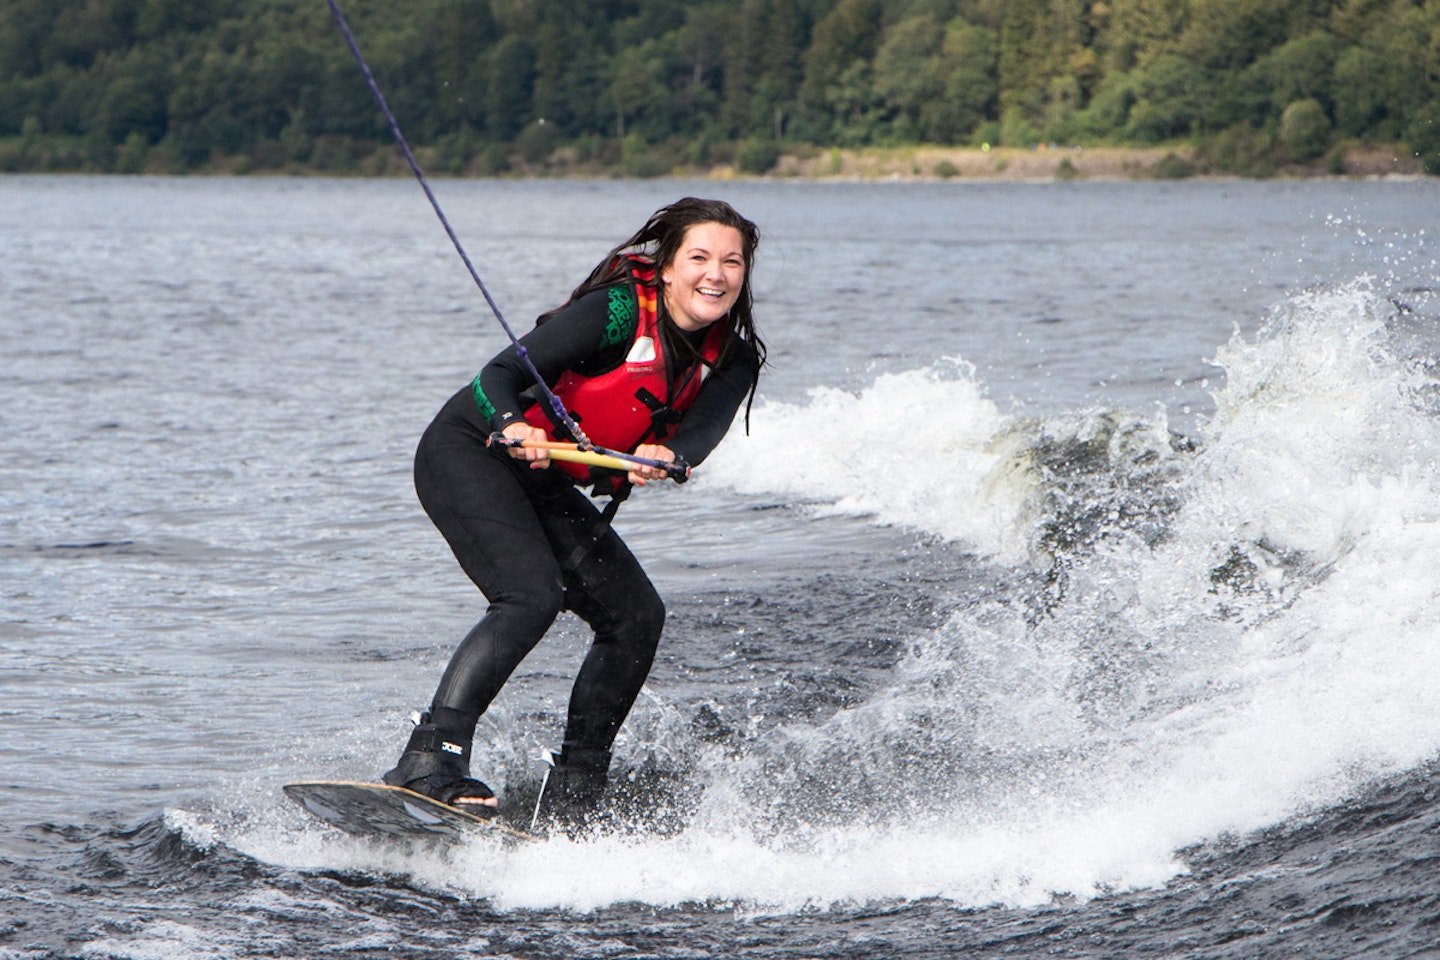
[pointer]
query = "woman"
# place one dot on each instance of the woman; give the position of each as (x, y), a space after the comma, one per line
(652, 355)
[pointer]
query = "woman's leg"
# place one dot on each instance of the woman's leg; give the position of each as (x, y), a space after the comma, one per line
(611, 592)
(605, 586)
(486, 514)
(481, 505)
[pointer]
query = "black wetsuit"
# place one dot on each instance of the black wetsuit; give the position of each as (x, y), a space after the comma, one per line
(535, 544)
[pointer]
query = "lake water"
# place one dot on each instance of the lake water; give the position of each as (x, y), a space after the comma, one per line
(1072, 594)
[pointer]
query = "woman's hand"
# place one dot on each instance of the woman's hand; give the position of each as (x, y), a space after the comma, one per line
(521, 430)
(640, 473)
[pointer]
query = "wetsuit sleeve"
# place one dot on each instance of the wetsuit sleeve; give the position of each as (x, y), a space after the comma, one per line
(709, 417)
(579, 337)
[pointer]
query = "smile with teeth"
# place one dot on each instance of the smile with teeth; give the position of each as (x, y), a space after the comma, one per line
(709, 292)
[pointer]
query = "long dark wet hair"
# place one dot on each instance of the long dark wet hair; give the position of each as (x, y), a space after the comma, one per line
(660, 240)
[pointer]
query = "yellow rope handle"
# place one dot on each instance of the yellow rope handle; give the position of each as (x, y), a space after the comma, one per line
(677, 470)
(589, 457)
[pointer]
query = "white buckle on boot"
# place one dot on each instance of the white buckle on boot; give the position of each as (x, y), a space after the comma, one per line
(547, 758)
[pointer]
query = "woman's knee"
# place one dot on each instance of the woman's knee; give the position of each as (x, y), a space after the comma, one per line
(630, 614)
(650, 615)
(532, 606)
(644, 618)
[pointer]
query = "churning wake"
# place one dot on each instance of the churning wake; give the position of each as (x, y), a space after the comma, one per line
(1185, 637)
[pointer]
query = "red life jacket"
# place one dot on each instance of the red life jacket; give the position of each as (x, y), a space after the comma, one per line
(633, 403)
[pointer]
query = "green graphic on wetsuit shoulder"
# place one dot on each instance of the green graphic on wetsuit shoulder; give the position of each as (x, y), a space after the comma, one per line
(621, 326)
(482, 402)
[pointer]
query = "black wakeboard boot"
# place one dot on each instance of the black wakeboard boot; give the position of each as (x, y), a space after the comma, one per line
(574, 787)
(436, 763)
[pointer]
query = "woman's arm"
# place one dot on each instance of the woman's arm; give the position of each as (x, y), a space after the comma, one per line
(709, 417)
(576, 337)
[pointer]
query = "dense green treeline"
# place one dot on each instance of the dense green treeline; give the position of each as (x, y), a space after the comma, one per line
(645, 85)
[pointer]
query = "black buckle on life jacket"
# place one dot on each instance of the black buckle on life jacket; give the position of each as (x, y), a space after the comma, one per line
(662, 417)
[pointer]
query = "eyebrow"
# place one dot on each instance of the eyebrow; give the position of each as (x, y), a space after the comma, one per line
(733, 253)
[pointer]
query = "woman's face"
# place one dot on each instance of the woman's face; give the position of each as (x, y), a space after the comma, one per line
(703, 280)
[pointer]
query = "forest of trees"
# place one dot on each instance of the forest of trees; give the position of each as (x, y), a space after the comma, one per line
(646, 85)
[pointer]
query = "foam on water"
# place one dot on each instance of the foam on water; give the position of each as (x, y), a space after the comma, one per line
(1261, 656)
(1269, 653)
(923, 448)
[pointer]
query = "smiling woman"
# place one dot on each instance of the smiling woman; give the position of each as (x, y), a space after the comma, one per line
(703, 282)
(656, 372)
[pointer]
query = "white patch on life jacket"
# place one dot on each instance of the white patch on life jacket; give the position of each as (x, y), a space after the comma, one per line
(641, 351)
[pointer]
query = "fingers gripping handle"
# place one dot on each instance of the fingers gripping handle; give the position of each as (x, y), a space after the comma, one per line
(677, 469)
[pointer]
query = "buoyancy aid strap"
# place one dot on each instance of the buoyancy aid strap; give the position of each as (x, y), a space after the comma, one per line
(577, 556)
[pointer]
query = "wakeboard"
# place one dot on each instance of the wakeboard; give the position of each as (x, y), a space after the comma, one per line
(378, 811)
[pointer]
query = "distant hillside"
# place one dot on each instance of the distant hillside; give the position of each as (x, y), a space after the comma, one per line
(645, 86)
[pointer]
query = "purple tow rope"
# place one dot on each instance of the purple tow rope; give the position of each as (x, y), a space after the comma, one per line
(677, 470)
(554, 401)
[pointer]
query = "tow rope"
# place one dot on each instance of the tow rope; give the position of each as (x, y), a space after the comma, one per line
(596, 455)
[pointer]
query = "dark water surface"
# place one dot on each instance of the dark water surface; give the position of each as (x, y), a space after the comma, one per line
(1073, 594)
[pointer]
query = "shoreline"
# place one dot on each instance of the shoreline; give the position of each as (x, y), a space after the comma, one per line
(1045, 163)
(918, 163)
